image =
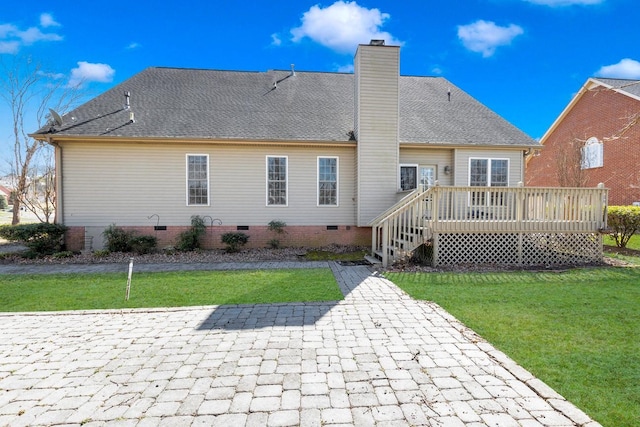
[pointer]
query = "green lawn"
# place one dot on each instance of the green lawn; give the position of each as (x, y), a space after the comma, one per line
(578, 330)
(55, 292)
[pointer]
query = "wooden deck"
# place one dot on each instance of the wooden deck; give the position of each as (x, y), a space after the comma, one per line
(482, 214)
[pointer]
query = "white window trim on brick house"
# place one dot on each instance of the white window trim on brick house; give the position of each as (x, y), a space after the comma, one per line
(592, 154)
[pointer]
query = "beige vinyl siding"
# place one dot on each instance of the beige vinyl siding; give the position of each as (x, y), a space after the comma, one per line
(462, 156)
(423, 156)
(106, 183)
(377, 74)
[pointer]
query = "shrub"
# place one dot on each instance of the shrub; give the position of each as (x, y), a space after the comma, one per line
(40, 238)
(277, 227)
(624, 222)
(274, 244)
(143, 244)
(234, 241)
(189, 240)
(117, 239)
(3, 203)
(120, 240)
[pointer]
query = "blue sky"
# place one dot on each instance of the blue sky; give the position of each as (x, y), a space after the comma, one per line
(524, 59)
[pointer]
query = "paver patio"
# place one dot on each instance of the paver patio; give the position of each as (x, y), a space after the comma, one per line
(377, 358)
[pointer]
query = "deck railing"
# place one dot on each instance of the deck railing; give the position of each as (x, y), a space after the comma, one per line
(417, 217)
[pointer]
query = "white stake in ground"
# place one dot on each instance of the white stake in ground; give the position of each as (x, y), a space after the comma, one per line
(126, 298)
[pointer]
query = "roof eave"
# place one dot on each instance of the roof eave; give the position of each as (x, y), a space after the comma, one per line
(52, 137)
(457, 145)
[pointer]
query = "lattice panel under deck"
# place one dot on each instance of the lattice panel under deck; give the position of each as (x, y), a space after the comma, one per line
(542, 249)
(561, 248)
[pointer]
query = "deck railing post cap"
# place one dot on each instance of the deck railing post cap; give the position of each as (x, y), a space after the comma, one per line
(601, 185)
(520, 184)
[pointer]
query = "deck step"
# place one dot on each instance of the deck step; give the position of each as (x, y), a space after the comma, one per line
(374, 260)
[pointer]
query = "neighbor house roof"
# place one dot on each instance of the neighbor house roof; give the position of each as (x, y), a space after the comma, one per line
(278, 106)
(625, 86)
(4, 191)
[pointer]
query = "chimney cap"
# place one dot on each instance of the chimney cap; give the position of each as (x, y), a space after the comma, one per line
(376, 42)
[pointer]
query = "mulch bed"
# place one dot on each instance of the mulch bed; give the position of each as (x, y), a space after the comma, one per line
(621, 251)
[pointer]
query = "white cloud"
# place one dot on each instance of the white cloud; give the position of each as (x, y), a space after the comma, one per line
(559, 3)
(7, 29)
(87, 72)
(275, 40)
(625, 69)
(133, 45)
(485, 36)
(33, 35)
(343, 26)
(12, 38)
(46, 20)
(9, 47)
(53, 76)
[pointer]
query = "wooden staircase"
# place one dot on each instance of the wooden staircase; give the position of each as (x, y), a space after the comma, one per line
(402, 228)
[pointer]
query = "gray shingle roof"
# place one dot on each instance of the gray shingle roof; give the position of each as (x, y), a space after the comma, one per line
(308, 106)
(630, 86)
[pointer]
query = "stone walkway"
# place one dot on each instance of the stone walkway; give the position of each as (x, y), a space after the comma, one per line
(377, 358)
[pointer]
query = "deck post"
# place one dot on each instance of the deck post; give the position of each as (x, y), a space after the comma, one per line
(434, 250)
(519, 219)
(520, 260)
(385, 244)
(435, 209)
(374, 240)
(602, 203)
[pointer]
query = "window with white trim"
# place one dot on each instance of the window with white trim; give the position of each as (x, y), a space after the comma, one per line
(408, 177)
(277, 182)
(487, 173)
(427, 176)
(327, 181)
(197, 179)
(592, 154)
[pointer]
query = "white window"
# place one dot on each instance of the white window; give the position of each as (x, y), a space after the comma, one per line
(408, 177)
(327, 181)
(487, 173)
(277, 183)
(197, 180)
(592, 154)
(427, 176)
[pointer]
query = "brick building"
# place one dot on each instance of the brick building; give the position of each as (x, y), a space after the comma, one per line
(595, 139)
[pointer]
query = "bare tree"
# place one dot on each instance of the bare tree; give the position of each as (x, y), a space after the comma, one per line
(569, 165)
(41, 188)
(29, 92)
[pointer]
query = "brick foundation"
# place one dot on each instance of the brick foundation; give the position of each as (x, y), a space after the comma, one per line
(259, 236)
(74, 239)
